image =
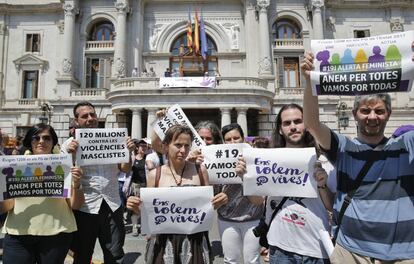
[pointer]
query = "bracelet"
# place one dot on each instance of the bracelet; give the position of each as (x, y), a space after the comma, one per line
(322, 187)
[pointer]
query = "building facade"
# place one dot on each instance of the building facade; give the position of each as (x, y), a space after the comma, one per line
(54, 54)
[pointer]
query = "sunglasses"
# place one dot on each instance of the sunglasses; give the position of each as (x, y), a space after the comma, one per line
(44, 138)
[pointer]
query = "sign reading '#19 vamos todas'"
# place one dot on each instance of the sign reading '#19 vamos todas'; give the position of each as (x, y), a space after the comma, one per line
(359, 66)
(220, 161)
(35, 176)
(101, 146)
(176, 210)
(280, 172)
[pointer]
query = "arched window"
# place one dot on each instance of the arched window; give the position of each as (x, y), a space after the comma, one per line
(102, 31)
(187, 62)
(286, 29)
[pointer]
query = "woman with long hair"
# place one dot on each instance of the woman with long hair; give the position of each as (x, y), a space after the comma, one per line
(40, 229)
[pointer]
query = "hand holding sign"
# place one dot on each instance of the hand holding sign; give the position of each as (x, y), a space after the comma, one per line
(133, 204)
(176, 210)
(220, 161)
(358, 66)
(280, 172)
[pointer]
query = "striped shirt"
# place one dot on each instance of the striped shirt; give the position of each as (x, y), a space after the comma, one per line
(379, 222)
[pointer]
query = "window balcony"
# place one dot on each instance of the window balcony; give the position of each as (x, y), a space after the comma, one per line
(88, 92)
(107, 45)
(230, 92)
(288, 44)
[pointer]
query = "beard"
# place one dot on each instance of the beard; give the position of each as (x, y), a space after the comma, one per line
(371, 131)
(295, 142)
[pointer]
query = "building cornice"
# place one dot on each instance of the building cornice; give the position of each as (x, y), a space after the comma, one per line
(43, 8)
(372, 4)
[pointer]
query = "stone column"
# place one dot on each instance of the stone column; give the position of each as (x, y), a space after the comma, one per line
(150, 120)
(69, 27)
(225, 116)
(120, 41)
(317, 19)
(265, 64)
(242, 119)
(136, 126)
(251, 29)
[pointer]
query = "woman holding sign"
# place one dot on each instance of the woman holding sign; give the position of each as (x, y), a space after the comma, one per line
(39, 229)
(240, 215)
(177, 172)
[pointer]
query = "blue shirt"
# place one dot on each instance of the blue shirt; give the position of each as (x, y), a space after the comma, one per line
(379, 222)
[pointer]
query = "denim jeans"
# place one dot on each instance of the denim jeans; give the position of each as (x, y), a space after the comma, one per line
(280, 256)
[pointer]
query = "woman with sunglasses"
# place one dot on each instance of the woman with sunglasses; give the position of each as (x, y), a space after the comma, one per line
(39, 229)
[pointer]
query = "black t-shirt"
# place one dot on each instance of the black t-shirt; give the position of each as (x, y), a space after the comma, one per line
(138, 171)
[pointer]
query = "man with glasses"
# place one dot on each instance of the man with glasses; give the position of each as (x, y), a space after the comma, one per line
(101, 216)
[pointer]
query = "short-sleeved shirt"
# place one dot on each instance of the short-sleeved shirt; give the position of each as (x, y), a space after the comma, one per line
(39, 216)
(99, 182)
(379, 222)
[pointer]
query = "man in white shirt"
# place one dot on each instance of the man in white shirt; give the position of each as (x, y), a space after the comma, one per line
(101, 216)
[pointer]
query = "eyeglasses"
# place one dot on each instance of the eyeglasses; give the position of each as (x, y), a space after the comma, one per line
(44, 138)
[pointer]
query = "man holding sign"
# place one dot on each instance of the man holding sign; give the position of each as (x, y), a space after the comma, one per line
(374, 208)
(101, 216)
(293, 234)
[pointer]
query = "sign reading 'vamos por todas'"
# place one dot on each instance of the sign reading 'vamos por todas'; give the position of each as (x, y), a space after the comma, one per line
(377, 64)
(35, 176)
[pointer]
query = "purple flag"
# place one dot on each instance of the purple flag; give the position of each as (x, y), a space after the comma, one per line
(203, 38)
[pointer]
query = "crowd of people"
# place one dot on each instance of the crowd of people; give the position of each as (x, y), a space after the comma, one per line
(365, 194)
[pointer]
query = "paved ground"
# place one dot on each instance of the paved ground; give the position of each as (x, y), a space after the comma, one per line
(135, 248)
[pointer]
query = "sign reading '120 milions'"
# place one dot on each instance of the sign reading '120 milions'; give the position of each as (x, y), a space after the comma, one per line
(101, 146)
(377, 64)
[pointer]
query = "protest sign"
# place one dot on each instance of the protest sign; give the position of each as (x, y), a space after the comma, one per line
(280, 172)
(187, 82)
(176, 210)
(370, 65)
(220, 161)
(175, 115)
(101, 146)
(35, 176)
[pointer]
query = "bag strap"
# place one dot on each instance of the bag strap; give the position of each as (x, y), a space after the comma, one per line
(157, 176)
(277, 209)
(200, 174)
(358, 181)
(350, 194)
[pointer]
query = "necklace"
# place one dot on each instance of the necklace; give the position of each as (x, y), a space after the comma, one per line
(182, 173)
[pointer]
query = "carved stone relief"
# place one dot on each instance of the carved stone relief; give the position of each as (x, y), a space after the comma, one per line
(232, 30)
(396, 25)
(154, 32)
(67, 66)
(265, 66)
(120, 68)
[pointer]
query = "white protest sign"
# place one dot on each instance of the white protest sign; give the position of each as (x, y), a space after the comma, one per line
(221, 160)
(174, 82)
(176, 210)
(280, 172)
(101, 146)
(370, 65)
(35, 176)
(175, 115)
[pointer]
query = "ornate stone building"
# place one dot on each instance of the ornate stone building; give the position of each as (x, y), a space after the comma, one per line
(55, 53)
